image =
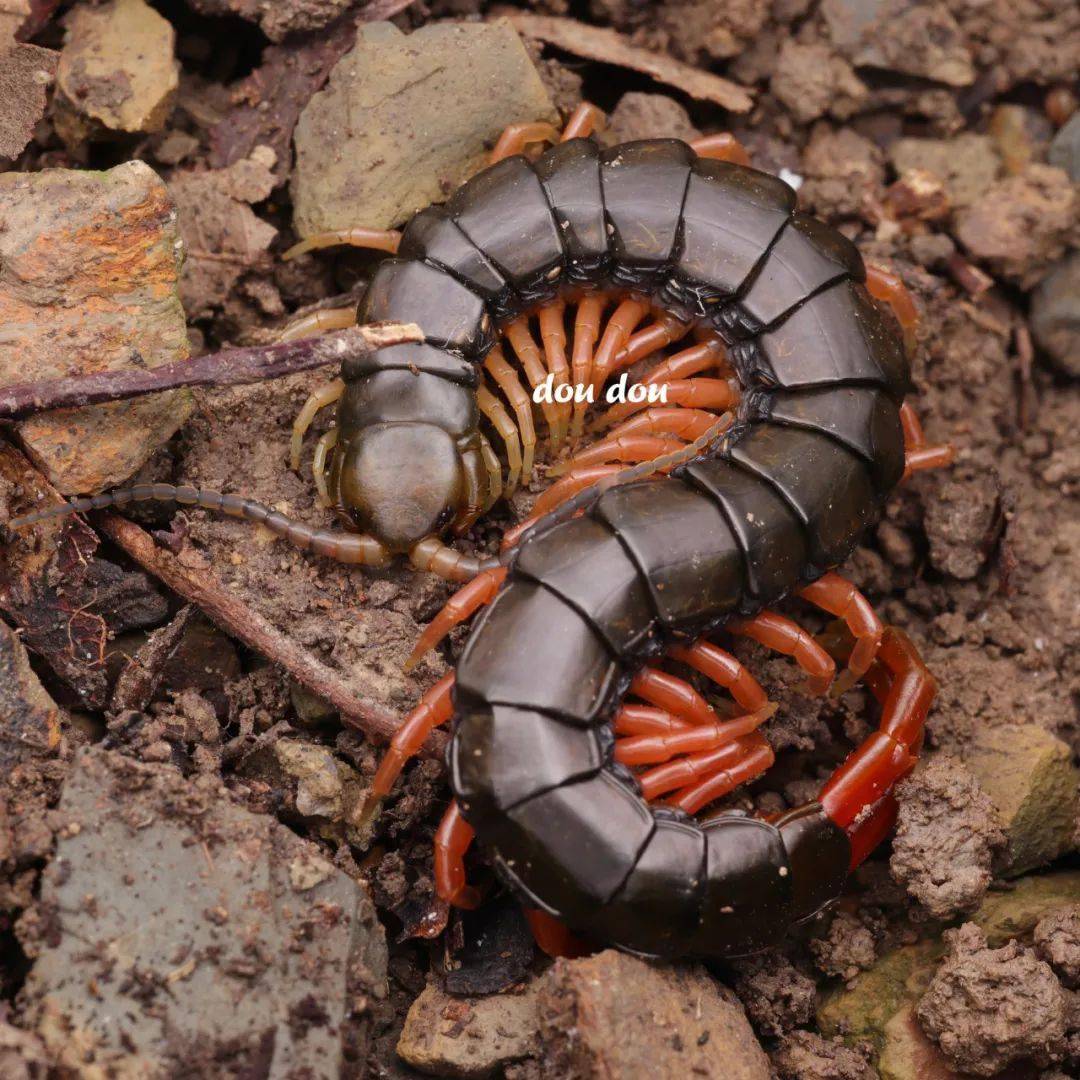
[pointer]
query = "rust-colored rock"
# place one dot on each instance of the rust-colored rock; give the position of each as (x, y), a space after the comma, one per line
(88, 282)
(613, 1015)
(117, 70)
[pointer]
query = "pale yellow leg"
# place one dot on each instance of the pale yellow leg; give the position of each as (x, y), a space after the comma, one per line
(497, 367)
(493, 409)
(325, 395)
(318, 464)
(318, 322)
(375, 239)
(494, 471)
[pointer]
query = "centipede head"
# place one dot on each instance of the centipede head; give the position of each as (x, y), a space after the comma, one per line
(400, 482)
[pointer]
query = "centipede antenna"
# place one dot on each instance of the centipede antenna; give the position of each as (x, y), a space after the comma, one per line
(346, 547)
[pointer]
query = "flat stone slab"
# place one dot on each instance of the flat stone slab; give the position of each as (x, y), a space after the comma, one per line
(89, 263)
(404, 119)
(183, 935)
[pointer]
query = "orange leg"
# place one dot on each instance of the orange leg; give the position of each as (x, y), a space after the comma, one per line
(461, 606)
(633, 719)
(586, 331)
(452, 840)
(886, 286)
(757, 757)
(553, 335)
(693, 393)
(532, 361)
(584, 120)
(435, 708)
(687, 424)
(650, 339)
(654, 749)
(839, 597)
(517, 137)
(724, 670)
(681, 366)
(667, 691)
(690, 770)
(721, 147)
(616, 334)
(918, 456)
(624, 448)
(788, 638)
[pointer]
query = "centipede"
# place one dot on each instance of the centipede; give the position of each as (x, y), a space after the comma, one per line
(578, 760)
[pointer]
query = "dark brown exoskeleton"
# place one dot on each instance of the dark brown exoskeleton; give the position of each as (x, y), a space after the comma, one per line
(783, 433)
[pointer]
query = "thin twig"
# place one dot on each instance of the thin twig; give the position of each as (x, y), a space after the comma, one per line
(229, 367)
(202, 588)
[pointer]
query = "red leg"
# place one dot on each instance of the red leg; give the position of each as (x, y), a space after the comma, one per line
(554, 938)
(686, 771)
(886, 286)
(517, 137)
(624, 448)
(650, 339)
(434, 708)
(634, 719)
(452, 840)
(724, 670)
(676, 695)
(757, 759)
(839, 597)
(463, 604)
(788, 638)
(871, 771)
(917, 455)
(654, 749)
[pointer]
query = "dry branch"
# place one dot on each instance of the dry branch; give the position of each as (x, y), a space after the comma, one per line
(610, 47)
(202, 588)
(229, 367)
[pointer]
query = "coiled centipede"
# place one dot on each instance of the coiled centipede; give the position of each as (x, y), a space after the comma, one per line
(750, 487)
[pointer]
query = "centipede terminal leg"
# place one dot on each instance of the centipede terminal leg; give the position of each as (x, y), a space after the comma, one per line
(789, 639)
(452, 840)
(325, 395)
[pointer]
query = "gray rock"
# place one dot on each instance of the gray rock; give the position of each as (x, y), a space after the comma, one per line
(967, 164)
(1055, 315)
(185, 933)
(1065, 148)
(403, 120)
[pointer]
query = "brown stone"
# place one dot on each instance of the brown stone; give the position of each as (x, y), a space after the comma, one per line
(117, 68)
(469, 1036)
(25, 74)
(29, 718)
(614, 1015)
(88, 282)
